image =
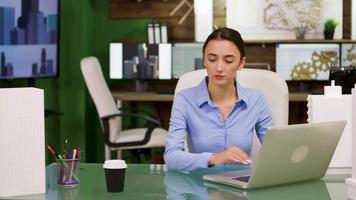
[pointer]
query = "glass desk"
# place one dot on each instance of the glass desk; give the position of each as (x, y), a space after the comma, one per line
(145, 181)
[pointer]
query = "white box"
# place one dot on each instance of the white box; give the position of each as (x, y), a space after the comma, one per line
(352, 181)
(321, 109)
(22, 142)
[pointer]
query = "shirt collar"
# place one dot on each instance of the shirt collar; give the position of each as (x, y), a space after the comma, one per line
(204, 97)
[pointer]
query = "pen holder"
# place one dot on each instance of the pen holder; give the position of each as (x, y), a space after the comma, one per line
(68, 172)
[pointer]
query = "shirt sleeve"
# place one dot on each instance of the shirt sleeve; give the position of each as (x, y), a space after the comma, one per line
(265, 119)
(175, 157)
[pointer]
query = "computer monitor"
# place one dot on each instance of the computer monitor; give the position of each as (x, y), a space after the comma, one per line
(28, 39)
(140, 61)
(306, 61)
(186, 57)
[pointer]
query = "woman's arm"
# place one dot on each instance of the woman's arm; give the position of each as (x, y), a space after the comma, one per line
(175, 157)
(265, 119)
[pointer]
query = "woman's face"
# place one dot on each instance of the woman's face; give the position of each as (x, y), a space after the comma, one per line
(222, 59)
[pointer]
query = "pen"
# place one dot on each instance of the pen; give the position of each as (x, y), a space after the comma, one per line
(52, 151)
(70, 154)
(65, 148)
(78, 152)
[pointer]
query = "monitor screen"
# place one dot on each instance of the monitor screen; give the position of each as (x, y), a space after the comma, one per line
(28, 38)
(306, 61)
(140, 61)
(186, 57)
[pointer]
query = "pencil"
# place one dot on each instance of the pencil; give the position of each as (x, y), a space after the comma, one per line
(71, 168)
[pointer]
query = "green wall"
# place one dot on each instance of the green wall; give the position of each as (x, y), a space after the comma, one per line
(85, 30)
(67, 93)
(106, 30)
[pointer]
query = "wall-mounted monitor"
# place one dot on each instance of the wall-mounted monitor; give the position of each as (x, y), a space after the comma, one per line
(186, 57)
(28, 39)
(140, 61)
(306, 61)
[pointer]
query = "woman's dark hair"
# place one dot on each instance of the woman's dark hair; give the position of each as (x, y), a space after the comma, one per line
(227, 34)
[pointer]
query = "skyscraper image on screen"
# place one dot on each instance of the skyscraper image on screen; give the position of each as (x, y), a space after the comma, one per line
(28, 38)
(140, 61)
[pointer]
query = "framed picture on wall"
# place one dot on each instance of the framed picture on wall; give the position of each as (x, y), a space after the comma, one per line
(280, 19)
(348, 54)
(306, 61)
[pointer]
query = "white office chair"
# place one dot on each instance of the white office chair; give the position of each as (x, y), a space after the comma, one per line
(273, 87)
(110, 115)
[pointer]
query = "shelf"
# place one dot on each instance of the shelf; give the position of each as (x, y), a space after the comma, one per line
(153, 96)
(298, 41)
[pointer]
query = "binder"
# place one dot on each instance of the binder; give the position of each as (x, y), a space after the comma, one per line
(157, 33)
(164, 33)
(150, 34)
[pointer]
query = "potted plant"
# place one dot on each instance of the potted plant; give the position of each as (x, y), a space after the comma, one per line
(329, 29)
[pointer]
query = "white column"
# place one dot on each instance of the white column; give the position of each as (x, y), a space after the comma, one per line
(353, 19)
(352, 181)
(203, 19)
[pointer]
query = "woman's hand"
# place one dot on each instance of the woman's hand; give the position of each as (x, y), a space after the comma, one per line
(230, 155)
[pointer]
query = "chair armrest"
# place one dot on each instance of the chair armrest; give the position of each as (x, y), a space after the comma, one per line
(152, 124)
(137, 110)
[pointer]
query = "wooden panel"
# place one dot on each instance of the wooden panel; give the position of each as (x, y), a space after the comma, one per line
(159, 11)
(179, 33)
(346, 29)
(257, 53)
(146, 8)
(219, 13)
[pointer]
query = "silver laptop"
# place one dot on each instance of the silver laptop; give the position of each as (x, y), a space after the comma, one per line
(289, 154)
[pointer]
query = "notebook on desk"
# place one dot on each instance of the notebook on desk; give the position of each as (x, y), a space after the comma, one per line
(289, 154)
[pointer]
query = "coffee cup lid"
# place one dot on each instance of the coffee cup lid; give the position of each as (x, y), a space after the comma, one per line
(114, 164)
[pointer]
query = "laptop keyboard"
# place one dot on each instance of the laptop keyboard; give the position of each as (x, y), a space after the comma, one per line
(242, 178)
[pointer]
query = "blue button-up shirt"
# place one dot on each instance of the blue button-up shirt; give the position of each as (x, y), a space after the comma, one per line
(197, 118)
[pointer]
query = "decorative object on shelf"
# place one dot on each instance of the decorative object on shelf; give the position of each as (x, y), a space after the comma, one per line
(157, 33)
(301, 31)
(329, 29)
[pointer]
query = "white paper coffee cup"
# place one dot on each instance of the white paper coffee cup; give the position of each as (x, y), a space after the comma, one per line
(115, 175)
(115, 164)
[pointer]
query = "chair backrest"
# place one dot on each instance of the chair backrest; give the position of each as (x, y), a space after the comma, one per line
(99, 91)
(273, 87)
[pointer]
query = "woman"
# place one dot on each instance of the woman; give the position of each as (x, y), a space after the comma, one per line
(217, 116)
